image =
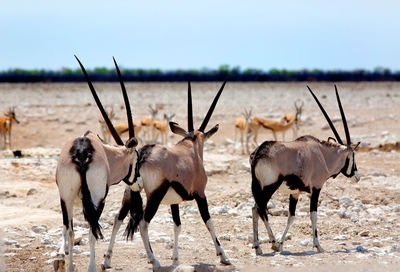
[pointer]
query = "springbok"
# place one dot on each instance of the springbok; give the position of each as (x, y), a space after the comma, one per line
(147, 123)
(6, 126)
(169, 175)
(288, 121)
(161, 129)
(119, 128)
(302, 165)
(87, 167)
(242, 124)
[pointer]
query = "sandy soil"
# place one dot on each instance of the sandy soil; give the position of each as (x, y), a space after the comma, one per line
(358, 224)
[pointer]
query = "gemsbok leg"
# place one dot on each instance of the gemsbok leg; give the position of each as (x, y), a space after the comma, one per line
(205, 215)
(292, 212)
(177, 230)
(313, 214)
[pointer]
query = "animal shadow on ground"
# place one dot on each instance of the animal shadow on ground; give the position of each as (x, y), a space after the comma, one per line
(200, 267)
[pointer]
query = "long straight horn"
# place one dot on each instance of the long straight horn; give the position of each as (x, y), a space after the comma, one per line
(127, 105)
(100, 106)
(212, 107)
(326, 117)
(346, 128)
(190, 109)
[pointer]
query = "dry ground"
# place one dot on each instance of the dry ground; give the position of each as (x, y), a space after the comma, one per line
(359, 224)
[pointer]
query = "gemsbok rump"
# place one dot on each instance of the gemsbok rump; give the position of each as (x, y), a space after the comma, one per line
(86, 168)
(169, 176)
(299, 166)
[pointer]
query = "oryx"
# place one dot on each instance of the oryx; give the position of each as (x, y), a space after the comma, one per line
(86, 168)
(299, 166)
(169, 176)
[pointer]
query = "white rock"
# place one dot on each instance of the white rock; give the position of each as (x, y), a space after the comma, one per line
(345, 202)
(39, 229)
(340, 237)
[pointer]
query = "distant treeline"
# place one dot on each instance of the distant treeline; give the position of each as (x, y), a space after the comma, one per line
(222, 73)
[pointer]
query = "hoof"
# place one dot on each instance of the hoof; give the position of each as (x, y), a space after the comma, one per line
(225, 261)
(156, 264)
(104, 267)
(259, 251)
(275, 248)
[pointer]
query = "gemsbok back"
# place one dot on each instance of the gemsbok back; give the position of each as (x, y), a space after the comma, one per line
(86, 168)
(295, 167)
(169, 176)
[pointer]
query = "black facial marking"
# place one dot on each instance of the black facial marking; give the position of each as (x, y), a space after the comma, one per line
(64, 213)
(175, 214)
(203, 208)
(294, 183)
(154, 201)
(314, 199)
(292, 205)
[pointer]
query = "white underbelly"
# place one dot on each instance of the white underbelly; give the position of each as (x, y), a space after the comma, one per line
(171, 197)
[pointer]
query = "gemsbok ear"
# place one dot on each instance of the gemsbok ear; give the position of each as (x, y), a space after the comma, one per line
(176, 129)
(211, 132)
(132, 142)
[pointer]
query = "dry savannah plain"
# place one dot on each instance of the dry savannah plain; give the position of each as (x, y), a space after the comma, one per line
(358, 223)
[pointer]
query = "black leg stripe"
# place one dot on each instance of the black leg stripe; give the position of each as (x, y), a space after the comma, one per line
(314, 199)
(292, 205)
(175, 214)
(181, 191)
(203, 208)
(64, 213)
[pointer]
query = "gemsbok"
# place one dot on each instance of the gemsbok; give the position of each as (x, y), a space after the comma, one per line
(295, 167)
(169, 175)
(288, 121)
(242, 125)
(6, 126)
(86, 168)
(161, 129)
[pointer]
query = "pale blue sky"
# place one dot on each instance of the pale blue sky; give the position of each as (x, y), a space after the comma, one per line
(194, 34)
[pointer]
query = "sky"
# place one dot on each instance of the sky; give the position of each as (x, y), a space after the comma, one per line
(45, 34)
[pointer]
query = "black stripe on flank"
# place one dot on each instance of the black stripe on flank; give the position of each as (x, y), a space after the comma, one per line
(262, 151)
(294, 183)
(181, 191)
(154, 201)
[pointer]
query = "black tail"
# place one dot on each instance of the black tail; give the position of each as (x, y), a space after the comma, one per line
(136, 212)
(81, 154)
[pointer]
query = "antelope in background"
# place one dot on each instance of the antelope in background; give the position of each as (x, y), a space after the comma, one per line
(288, 121)
(169, 175)
(242, 124)
(6, 126)
(119, 128)
(161, 129)
(147, 123)
(295, 167)
(86, 168)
